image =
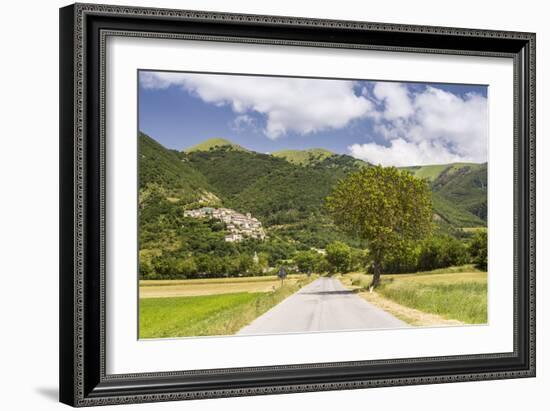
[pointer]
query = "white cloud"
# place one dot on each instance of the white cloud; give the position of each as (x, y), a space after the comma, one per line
(243, 122)
(429, 127)
(416, 127)
(395, 98)
(461, 123)
(290, 105)
(403, 153)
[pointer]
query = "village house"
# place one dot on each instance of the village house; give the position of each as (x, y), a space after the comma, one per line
(238, 225)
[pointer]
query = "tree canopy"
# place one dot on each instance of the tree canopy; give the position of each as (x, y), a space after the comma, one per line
(384, 206)
(307, 261)
(339, 256)
(478, 249)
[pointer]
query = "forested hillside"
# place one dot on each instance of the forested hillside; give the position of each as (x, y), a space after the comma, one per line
(165, 170)
(460, 191)
(273, 189)
(286, 192)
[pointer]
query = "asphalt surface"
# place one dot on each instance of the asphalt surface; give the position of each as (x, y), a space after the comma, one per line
(323, 305)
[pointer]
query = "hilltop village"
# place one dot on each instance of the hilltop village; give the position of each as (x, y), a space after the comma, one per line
(238, 225)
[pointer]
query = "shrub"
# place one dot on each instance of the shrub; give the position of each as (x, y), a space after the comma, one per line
(359, 259)
(478, 249)
(441, 251)
(307, 260)
(339, 256)
(404, 259)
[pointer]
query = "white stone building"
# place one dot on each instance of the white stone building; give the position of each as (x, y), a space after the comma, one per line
(238, 225)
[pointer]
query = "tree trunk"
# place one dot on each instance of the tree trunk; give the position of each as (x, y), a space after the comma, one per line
(375, 275)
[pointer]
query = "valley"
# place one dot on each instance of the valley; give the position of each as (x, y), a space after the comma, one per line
(277, 202)
(218, 221)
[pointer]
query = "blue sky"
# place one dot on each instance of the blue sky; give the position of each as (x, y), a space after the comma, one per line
(391, 123)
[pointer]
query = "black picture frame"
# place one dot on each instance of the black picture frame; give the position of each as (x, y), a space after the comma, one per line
(83, 29)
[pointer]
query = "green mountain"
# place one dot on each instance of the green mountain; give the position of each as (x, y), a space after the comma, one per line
(318, 157)
(212, 143)
(303, 157)
(451, 215)
(167, 171)
(286, 192)
(275, 190)
(431, 172)
(289, 186)
(459, 191)
(466, 187)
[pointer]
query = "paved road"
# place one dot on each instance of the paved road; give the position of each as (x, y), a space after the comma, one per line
(323, 305)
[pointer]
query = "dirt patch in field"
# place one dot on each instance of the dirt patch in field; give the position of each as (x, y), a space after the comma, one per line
(182, 289)
(409, 315)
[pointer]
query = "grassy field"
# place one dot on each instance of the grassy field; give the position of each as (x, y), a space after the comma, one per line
(219, 313)
(458, 293)
(210, 286)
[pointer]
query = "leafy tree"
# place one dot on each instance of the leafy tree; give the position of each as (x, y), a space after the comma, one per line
(245, 263)
(323, 265)
(384, 206)
(339, 256)
(402, 260)
(455, 252)
(186, 267)
(306, 260)
(442, 251)
(260, 264)
(430, 254)
(278, 251)
(359, 259)
(478, 249)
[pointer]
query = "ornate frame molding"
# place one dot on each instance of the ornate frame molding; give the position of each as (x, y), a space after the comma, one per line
(83, 42)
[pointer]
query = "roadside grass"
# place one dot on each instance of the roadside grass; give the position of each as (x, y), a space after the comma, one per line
(208, 315)
(409, 315)
(188, 288)
(463, 301)
(467, 268)
(454, 294)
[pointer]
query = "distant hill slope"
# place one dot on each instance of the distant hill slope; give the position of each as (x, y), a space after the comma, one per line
(270, 187)
(454, 214)
(231, 171)
(289, 187)
(303, 157)
(460, 191)
(287, 198)
(318, 157)
(431, 172)
(212, 143)
(166, 170)
(286, 195)
(466, 187)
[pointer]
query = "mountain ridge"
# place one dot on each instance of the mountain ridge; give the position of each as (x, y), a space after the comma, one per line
(305, 156)
(284, 191)
(286, 198)
(433, 171)
(212, 143)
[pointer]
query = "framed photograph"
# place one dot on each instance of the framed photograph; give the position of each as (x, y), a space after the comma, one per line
(260, 204)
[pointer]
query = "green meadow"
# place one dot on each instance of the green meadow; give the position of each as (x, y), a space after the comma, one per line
(208, 315)
(458, 293)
